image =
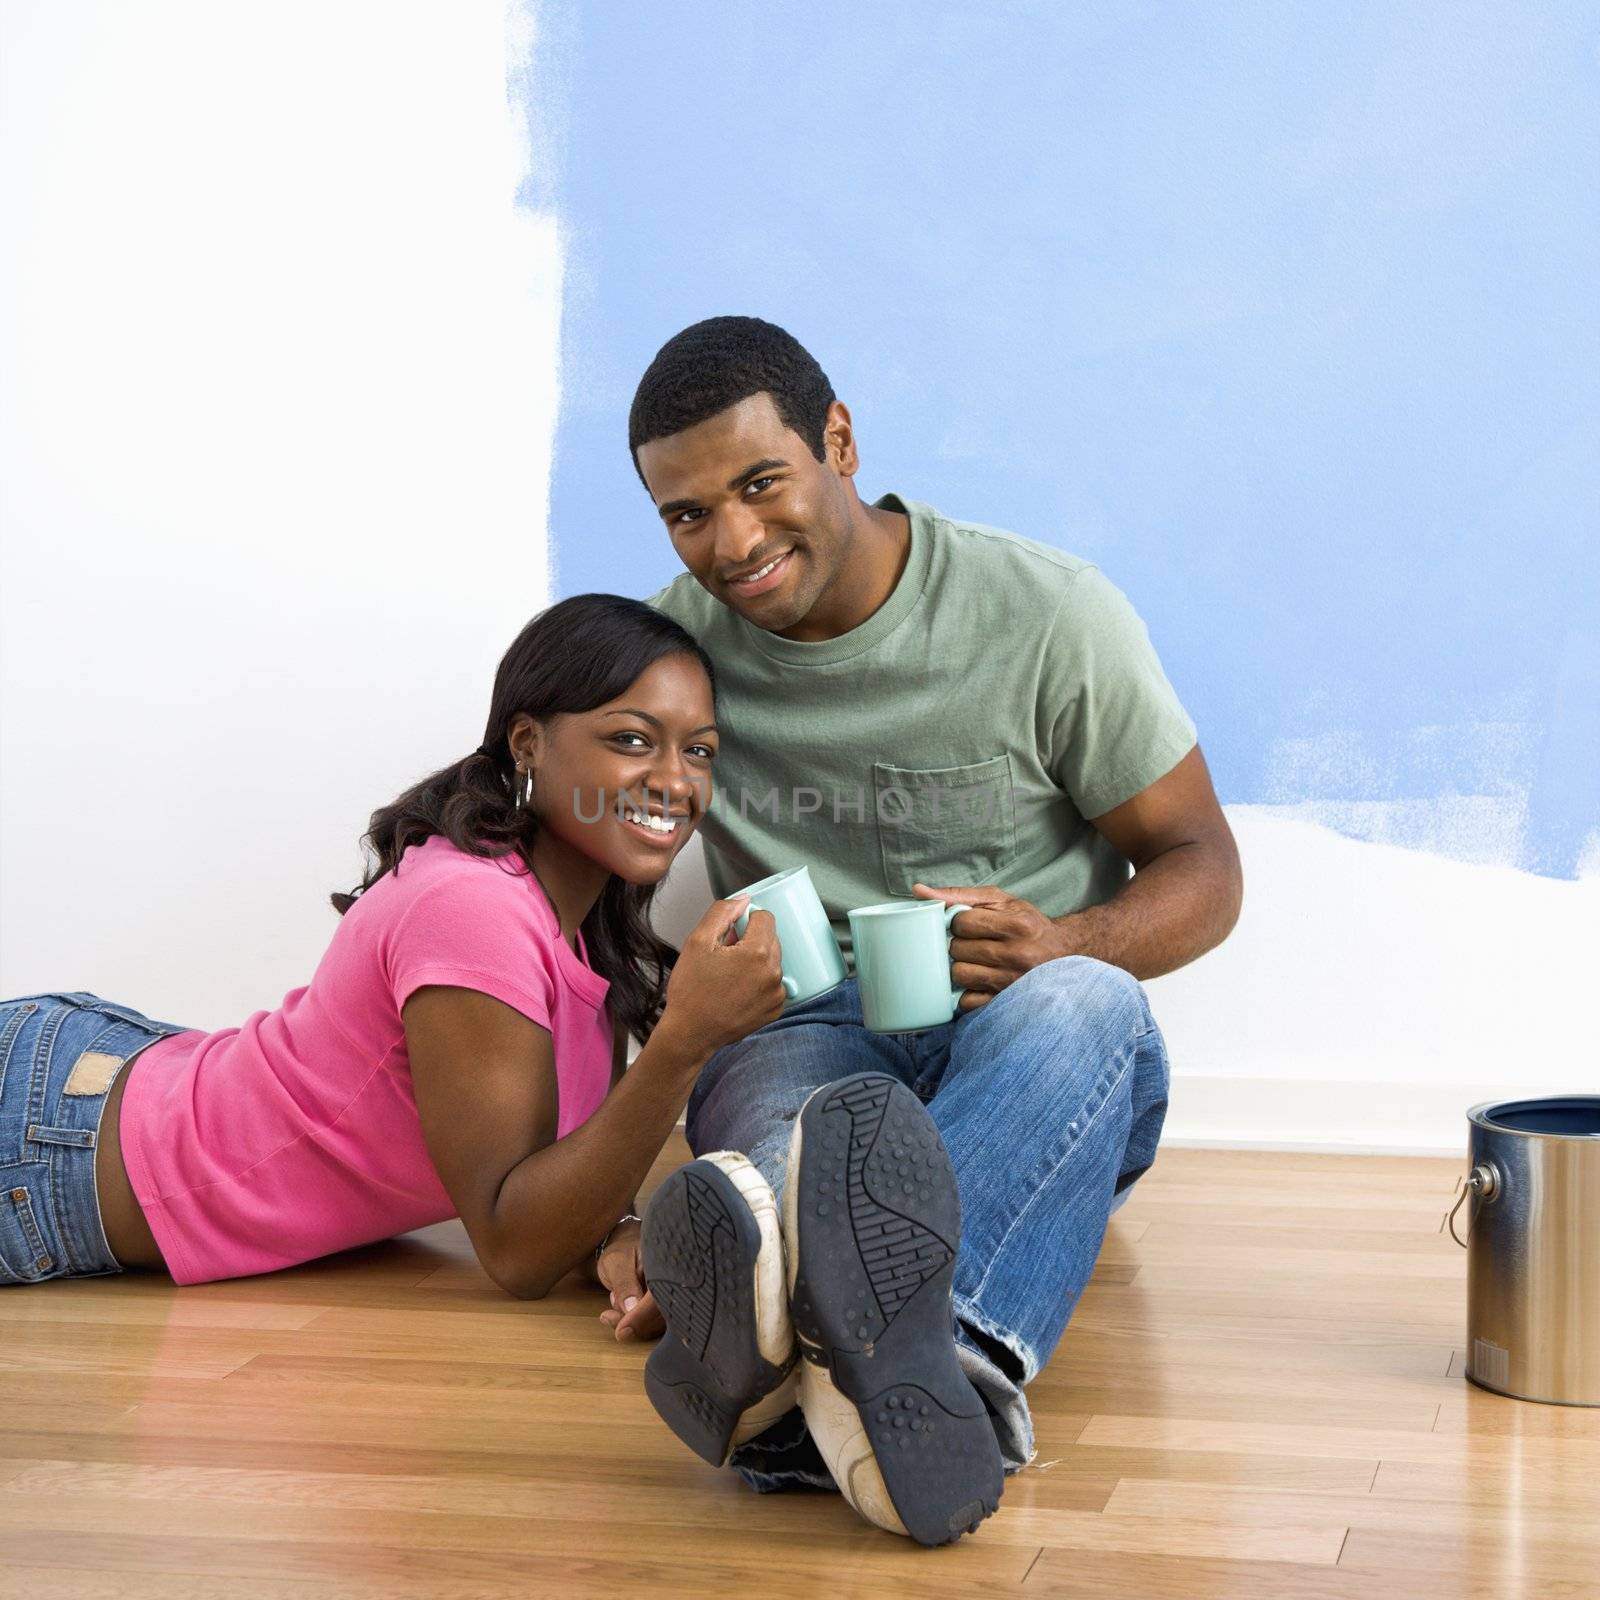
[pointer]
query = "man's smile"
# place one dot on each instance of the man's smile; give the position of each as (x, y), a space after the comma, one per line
(764, 577)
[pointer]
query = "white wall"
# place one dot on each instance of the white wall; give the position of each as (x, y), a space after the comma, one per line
(1369, 995)
(278, 365)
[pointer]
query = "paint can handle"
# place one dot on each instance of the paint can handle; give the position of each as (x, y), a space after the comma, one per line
(1483, 1182)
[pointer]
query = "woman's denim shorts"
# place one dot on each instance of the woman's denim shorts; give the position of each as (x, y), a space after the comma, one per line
(59, 1056)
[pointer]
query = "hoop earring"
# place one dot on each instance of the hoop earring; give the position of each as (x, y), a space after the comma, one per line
(522, 789)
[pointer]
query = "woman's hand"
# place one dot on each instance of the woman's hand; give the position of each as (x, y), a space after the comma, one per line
(723, 986)
(632, 1313)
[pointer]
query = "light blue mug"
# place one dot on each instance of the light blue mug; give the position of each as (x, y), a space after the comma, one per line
(902, 951)
(812, 961)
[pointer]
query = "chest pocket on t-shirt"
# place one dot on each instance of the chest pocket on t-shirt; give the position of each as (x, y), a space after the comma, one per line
(944, 825)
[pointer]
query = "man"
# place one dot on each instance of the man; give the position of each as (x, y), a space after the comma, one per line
(931, 709)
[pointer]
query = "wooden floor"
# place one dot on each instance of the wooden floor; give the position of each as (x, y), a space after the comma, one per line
(1259, 1396)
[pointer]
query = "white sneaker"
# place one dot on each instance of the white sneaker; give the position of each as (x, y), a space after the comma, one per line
(712, 1245)
(872, 1224)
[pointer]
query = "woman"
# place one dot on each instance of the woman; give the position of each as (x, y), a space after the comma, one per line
(459, 1049)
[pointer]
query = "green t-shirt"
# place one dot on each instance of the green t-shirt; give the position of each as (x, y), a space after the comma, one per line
(1003, 694)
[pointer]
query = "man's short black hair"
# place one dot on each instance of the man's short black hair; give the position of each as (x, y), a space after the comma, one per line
(717, 363)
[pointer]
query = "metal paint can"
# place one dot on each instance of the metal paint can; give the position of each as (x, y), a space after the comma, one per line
(1533, 1248)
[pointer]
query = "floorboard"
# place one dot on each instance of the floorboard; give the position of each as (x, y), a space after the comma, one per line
(1260, 1395)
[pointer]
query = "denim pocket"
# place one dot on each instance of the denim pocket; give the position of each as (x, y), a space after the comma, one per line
(24, 1251)
(944, 825)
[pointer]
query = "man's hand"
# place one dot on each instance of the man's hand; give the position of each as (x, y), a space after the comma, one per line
(633, 1313)
(997, 941)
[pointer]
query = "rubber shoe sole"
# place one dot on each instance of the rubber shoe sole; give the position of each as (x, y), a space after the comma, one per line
(712, 1245)
(872, 1225)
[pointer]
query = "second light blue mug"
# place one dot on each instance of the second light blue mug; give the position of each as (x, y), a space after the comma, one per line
(812, 962)
(902, 951)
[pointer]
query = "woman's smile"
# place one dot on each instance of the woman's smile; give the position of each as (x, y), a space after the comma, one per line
(662, 831)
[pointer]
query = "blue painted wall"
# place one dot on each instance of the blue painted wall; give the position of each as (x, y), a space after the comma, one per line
(1287, 314)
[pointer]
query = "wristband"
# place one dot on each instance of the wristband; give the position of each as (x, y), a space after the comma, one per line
(600, 1249)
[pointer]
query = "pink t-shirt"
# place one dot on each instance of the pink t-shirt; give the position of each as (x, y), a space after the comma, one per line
(297, 1135)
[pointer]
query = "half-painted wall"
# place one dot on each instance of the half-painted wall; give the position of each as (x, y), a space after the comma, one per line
(1285, 314)
(1280, 314)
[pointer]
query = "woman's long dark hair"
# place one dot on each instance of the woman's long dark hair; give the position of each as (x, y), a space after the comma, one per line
(573, 657)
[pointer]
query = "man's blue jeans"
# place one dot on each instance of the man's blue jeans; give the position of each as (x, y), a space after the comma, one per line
(1050, 1100)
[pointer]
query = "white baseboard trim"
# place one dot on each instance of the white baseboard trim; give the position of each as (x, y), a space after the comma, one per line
(1352, 1117)
(1289, 1148)
(1319, 1116)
